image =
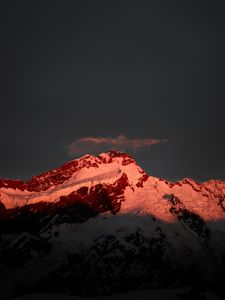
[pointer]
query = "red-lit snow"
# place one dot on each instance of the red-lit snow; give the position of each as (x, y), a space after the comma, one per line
(143, 194)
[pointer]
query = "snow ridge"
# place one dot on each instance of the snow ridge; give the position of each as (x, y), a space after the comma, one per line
(142, 193)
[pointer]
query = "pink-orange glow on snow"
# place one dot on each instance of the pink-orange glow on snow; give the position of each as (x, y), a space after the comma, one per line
(113, 182)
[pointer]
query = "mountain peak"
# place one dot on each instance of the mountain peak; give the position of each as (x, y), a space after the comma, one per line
(106, 168)
(116, 176)
(106, 205)
(105, 157)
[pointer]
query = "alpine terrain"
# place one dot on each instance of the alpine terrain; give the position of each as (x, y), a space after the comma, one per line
(100, 225)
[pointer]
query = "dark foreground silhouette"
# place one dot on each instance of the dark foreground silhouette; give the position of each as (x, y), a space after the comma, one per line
(78, 251)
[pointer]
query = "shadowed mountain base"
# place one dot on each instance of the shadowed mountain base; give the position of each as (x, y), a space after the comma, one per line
(132, 252)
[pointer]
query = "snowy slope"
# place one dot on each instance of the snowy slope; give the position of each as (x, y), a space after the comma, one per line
(101, 225)
(142, 192)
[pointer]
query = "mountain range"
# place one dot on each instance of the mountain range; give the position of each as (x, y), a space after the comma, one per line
(100, 225)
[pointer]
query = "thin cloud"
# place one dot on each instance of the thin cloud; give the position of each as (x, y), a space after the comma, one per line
(121, 143)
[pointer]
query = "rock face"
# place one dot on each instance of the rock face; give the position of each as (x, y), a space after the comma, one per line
(100, 225)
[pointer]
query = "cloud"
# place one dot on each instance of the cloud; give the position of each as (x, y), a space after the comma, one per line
(100, 144)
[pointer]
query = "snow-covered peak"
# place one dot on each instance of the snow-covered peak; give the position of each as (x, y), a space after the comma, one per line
(105, 211)
(88, 164)
(106, 168)
(116, 176)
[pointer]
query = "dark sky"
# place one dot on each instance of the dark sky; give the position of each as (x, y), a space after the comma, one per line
(144, 69)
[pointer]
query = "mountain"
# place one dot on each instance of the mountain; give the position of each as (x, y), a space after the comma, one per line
(101, 225)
